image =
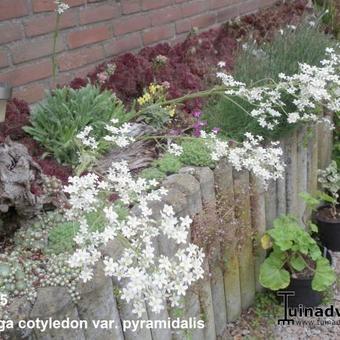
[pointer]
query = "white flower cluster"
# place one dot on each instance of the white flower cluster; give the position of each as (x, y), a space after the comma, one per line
(86, 139)
(312, 88)
(147, 277)
(175, 149)
(330, 179)
(61, 6)
(119, 135)
(264, 162)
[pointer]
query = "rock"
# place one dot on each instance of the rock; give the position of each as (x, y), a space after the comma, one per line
(205, 176)
(188, 185)
(56, 303)
(50, 300)
(97, 302)
(18, 310)
(18, 174)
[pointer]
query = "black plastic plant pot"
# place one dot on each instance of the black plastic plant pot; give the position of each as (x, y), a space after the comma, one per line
(329, 230)
(304, 293)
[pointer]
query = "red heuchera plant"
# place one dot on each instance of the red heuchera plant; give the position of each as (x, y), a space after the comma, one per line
(190, 65)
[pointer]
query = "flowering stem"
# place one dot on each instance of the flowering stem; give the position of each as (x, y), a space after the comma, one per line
(55, 38)
(199, 94)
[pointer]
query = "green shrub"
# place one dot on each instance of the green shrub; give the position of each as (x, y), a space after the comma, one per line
(65, 112)
(196, 153)
(305, 44)
(152, 173)
(256, 63)
(168, 164)
(330, 14)
(294, 254)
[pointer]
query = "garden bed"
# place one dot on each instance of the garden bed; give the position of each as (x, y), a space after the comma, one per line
(133, 129)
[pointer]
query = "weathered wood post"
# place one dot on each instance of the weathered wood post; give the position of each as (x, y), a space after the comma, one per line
(243, 217)
(291, 173)
(258, 218)
(229, 280)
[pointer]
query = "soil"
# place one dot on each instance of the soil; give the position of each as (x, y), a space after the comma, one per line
(17, 116)
(325, 214)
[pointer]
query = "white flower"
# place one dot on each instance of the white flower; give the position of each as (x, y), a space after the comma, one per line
(86, 139)
(175, 149)
(148, 278)
(61, 6)
(221, 64)
(311, 87)
(119, 135)
(293, 117)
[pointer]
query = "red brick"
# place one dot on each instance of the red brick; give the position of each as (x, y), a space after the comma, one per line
(248, 7)
(31, 50)
(131, 6)
(131, 24)
(152, 4)
(183, 26)
(204, 20)
(13, 9)
(166, 15)
(3, 59)
(72, 60)
(214, 4)
(100, 13)
(30, 93)
(10, 32)
(227, 14)
(49, 5)
(88, 36)
(266, 3)
(41, 25)
(120, 45)
(62, 79)
(194, 7)
(28, 73)
(157, 34)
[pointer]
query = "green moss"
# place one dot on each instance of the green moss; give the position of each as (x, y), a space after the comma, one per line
(196, 153)
(60, 238)
(168, 164)
(152, 173)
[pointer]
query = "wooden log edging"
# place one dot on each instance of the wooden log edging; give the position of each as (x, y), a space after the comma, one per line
(226, 290)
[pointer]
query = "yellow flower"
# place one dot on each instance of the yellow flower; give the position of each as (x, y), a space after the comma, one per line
(153, 88)
(141, 101)
(147, 97)
(172, 112)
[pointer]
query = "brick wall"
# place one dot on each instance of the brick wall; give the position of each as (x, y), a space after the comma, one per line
(93, 30)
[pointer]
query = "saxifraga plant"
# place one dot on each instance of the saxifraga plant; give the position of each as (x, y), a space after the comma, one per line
(291, 46)
(57, 120)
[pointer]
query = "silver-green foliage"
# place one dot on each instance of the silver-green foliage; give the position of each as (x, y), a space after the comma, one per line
(65, 112)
